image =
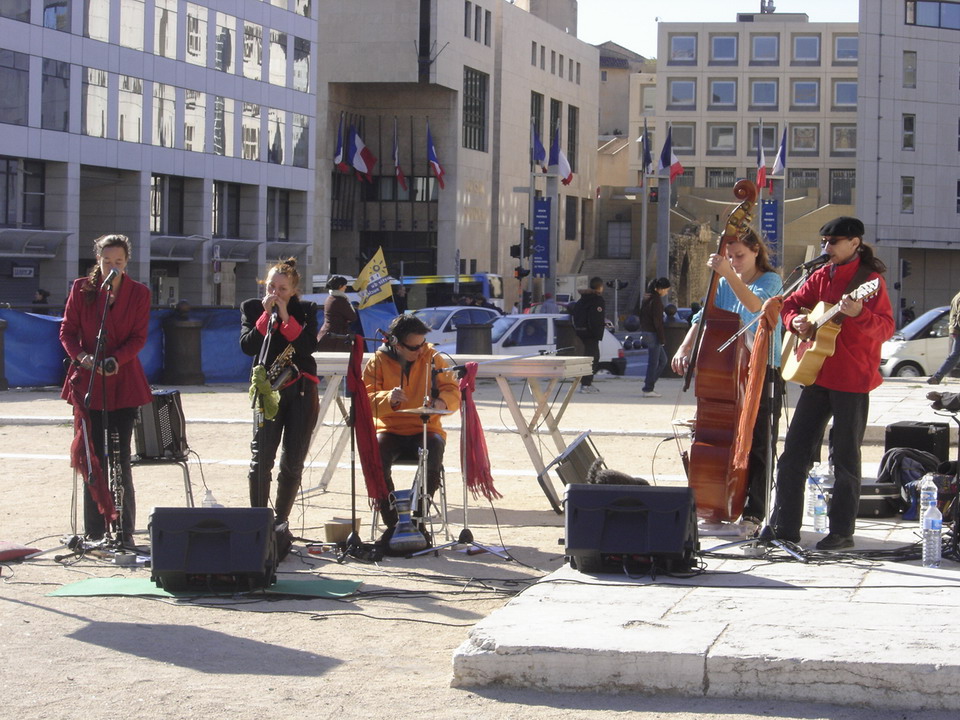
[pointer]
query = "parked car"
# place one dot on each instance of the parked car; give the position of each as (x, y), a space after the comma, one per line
(919, 347)
(528, 334)
(443, 320)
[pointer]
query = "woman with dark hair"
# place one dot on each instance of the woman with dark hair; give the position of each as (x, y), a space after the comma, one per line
(283, 320)
(120, 385)
(338, 314)
(747, 279)
(842, 387)
(650, 313)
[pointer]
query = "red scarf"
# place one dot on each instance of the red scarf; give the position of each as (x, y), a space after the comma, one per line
(364, 432)
(473, 446)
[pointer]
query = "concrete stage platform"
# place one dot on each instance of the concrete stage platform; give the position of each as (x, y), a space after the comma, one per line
(839, 628)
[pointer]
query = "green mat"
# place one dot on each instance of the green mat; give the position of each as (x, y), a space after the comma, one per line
(314, 587)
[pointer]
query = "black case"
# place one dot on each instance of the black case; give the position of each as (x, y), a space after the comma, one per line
(931, 437)
(230, 548)
(879, 500)
(607, 525)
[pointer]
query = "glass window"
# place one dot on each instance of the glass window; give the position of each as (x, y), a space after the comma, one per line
(722, 138)
(131, 24)
(561, 65)
(843, 139)
(682, 137)
(301, 64)
(302, 7)
(683, 48)
(846, 48)
(477, 23)
(723, 48)
(14, 87)
(950, 15)
(909, 68)
(94, 102)
(278, 58)
(909, 131)
(721, 177)
(279, 3)
(166, 204)
(55, 96)
(536, 112)
(763, 93)
(131, 108)
(96, 19)
(771, 138)
(723, 93)
(553, 62)
(682, 93)
(196, 34)
(250, 128)
(194, 120)
(278, 214)
(301, 140)
(806, 48)
(803, 178)
(805, 139)
(842, 185)
(533, 53)
(573, 133)
(226, 33)
(906, 195)
(475, 86)
(164, 110)
(765, 48)
(225, 209)
(165, 28)
(487, 28)
(845, 93)
(15, 174)
(56, 14)
(277, 129)
(806, 93)
(16, 9)
(252, 51)
(223, 126)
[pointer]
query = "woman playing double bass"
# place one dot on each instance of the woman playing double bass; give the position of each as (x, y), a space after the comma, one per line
(747, 279)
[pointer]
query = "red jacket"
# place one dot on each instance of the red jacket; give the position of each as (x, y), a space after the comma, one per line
(127, 324)
(855, 366)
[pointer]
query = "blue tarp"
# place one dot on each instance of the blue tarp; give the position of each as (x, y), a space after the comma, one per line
(33, 355)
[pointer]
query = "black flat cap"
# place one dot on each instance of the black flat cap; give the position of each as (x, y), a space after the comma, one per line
(843, 226)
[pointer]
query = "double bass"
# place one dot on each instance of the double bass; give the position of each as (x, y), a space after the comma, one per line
(717, 468)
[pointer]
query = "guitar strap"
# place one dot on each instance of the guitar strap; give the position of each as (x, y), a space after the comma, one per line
(858, 279)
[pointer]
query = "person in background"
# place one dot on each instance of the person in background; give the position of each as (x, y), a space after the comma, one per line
(338, 314)
(650, 313)
(842, 388)
(747, 279)
(287, 320)
(120, 386)
(549, 305)
(589, 322)
(41, 297)
(954, 357)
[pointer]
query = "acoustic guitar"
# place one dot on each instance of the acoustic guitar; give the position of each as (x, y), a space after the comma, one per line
(802, 358)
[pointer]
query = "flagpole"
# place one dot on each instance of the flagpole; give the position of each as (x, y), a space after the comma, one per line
(663, 218)
(643, 217)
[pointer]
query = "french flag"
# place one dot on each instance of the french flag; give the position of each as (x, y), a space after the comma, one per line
(668, 161)
(361, 158)
(761, 165)
(401, 178)
(559, 161)
(647, 160)
(432, 157)
(780, 161)
(339, 160)
(539, 152)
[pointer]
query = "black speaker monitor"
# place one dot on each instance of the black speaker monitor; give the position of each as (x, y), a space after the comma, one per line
(608, 526)
(230, 548)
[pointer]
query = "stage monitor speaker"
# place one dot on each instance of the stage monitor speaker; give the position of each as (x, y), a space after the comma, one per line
(213, 548)
(613, 527)
(160, 430)
(931, 437)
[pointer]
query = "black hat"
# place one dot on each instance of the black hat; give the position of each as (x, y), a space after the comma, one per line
(843, 226)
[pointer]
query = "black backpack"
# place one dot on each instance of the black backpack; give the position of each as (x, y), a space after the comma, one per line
(578, 314)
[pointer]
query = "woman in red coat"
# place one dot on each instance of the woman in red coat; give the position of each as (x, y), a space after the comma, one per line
(120, 385)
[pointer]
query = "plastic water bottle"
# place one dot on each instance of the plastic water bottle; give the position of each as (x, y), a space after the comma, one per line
(813, 489)
(932, 525)
(209, 501)
(820, 514)
(927, 493)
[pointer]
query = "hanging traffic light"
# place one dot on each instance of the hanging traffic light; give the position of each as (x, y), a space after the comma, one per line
(515, 251)
(527, 242)
(520, 272)
(904, 268)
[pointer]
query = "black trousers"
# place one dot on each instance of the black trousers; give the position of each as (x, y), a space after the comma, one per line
(293, 425)
(769, 410)
(121, 421)
(591, 347)
(393, 447)
(815, 407)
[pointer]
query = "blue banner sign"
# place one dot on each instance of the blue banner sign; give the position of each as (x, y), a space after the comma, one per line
(770, 229)
(540, 260)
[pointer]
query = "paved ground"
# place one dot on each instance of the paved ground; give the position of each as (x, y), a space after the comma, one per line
(706, 649)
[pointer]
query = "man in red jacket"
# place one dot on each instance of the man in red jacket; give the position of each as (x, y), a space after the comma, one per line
(843, 385)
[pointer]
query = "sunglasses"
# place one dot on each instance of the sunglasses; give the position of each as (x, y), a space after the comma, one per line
(832, 240)
(412, 348)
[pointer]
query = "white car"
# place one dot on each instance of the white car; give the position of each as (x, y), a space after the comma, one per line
(919, 348)
(528, 334)
(443, 320)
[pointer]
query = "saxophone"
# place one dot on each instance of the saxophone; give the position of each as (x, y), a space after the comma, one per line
(282, 371)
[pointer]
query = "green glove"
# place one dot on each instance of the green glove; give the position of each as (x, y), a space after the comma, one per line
(269, 398)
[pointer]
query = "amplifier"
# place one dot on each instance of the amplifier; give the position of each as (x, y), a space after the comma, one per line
(879, 500)
(203, 548)
(932, 437)
(610, 527)
(160, 430)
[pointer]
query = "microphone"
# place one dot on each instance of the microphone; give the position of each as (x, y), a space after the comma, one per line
(111, 276)
(449, 368)
(274, 318)
(816, 262)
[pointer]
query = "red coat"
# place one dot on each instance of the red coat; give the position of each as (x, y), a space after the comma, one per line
(855, 366)
(127, 324)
